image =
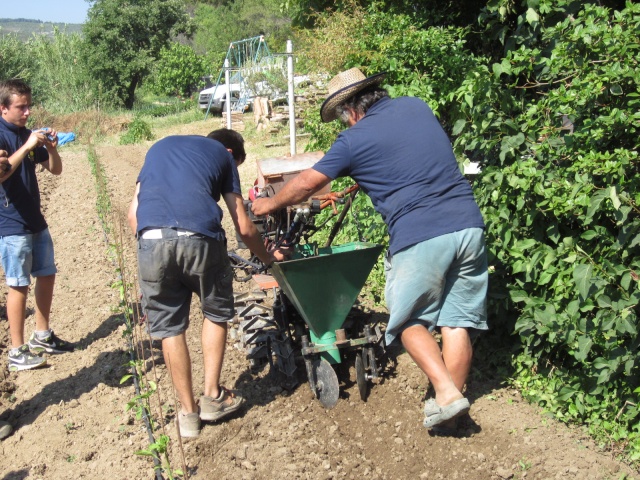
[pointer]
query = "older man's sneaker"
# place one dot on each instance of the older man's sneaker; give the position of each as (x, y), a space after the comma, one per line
(50, 344)
(22, 359)
(5, 429)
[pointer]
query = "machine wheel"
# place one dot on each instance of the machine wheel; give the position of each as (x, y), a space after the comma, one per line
(361, 378)
(327, 388)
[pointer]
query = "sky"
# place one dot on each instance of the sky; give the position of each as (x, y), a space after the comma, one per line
(63, 11)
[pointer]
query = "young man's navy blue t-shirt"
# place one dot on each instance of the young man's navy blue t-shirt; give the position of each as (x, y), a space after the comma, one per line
(181, 182)
(20, 211)
(401, 157)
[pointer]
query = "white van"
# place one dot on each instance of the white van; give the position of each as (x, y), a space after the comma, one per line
(263, 89)
(219, 93)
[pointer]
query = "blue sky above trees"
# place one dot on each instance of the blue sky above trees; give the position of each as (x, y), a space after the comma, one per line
(63, 11)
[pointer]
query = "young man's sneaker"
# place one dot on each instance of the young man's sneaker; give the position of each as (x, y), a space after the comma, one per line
(213, 409)
(22, 359)
(189, 424)
(51, 344)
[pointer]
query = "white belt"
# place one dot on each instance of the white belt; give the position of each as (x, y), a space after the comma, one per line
(156, 233)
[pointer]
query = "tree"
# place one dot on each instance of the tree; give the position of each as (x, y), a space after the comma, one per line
(428, 12)
(123, 39)
(178, 71)
(220, 24)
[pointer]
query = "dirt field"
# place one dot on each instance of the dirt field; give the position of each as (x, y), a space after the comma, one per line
(70, 419)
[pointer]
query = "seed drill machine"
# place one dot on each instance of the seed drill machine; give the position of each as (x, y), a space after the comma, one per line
(304, 310)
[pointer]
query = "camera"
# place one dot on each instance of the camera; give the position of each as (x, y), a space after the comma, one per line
(46, 131)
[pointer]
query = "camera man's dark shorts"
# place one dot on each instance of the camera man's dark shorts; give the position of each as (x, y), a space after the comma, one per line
(174, 264)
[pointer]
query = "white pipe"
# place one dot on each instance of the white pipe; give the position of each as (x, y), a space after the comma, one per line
(292, 109)
(227, 80)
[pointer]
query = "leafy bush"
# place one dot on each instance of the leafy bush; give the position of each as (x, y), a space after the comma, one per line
(555, 124)
(426, 63)
(137, 131)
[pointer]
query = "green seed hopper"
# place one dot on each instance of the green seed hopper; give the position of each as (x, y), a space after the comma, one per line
(323, 285)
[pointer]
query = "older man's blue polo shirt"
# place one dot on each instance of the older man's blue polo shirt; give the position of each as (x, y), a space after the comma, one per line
(401, 157)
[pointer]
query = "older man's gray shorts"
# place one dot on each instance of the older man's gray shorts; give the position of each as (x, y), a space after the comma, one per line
(172, 268)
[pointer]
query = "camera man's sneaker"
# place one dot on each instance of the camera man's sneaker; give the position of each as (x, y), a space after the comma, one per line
(51, 344)
(189, 424)
(215, 408)
(22, 359)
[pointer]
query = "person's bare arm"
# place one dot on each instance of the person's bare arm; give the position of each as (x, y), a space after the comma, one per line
(133, 208)
(54, 164)
(248, 231)
(295, 191)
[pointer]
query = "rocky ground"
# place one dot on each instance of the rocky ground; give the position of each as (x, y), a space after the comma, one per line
(71, 421)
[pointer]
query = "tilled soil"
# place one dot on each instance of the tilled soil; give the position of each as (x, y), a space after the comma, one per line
(71, 421)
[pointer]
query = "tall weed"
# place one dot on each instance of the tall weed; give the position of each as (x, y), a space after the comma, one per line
(53, 69)
(60, 79)
(14, 63)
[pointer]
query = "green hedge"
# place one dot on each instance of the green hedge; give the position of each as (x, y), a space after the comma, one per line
(555, 125)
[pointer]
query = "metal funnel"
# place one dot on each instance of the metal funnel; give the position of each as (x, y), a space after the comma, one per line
(324, 287)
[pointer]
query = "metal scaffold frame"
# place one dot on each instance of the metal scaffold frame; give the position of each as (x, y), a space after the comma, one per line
(252, 55)
(243, 55)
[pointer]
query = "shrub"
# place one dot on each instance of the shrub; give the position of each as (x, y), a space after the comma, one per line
(137, 131)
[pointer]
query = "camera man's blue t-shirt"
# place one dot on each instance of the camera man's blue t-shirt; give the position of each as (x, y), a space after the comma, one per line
(20, 211)
(401, 157)
(181, 182)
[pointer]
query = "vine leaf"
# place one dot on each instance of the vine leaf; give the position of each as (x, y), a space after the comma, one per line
(582, 275)
(584, 346)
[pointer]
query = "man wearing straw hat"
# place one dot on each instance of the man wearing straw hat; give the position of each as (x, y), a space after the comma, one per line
(436, 266)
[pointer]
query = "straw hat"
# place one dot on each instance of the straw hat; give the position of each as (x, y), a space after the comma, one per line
(343, 86)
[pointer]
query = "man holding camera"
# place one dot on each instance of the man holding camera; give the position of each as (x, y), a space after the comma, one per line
(25, 243)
